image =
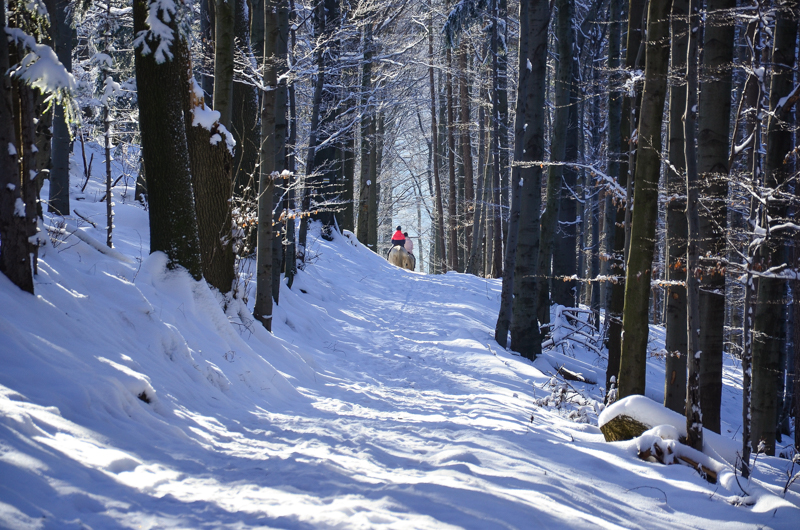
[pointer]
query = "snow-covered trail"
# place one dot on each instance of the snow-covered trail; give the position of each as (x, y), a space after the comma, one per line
(380, 401)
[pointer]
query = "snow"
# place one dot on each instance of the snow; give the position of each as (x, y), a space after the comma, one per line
(159, 15)
(19, 208)
(649, 412)
(129, 398)
(40, 68)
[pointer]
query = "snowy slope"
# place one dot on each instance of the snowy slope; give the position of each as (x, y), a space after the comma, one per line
(129, 399)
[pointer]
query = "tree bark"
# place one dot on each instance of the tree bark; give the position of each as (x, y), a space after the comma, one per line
(280, 223)
(15, 260)
(313, 135)
(466, 149)
(768, 331)
(633, 358)
(224, 36)
(506, 299)
(525, 336)
(713, 119)
(211, 166)
(262, 309)
(694, 417)
(558, 141)
(677, 228)
(614, 156)
(59, 172)
(244, 120)
(627, 126)
(452, 220)
(438, 259)
(160, 88)
(366, 138)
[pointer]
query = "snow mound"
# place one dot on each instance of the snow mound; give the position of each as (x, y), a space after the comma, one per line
(650, 413)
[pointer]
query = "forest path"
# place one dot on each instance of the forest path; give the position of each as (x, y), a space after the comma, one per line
(410, 385)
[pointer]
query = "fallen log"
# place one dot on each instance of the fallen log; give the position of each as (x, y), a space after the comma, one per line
(569, 375)
(656, 454)
(621, 428)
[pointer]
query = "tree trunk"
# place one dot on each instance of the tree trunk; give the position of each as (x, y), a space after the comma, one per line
(506, 299)
(211, 180)
(558, 141)
(281, 158)
(290, 263)
(466, 150)
(614, 155)
(501, 235)
(677, 228)
(207, 47)
(712, 164)
(244, 121)
(565, 263)
(313, 135)
(633, 358)
(452, 220)
(768, 331)
(497, 237)
(617, 300)
(59, 172)
(694, 418)
(347, 216)
(15, 260)
(366, 138)
(224, 36)
(439, 258)
(160, 89)
(372, 220)
(525, 337)
(262, 309)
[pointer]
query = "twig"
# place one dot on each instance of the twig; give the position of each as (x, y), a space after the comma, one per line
(85, 218)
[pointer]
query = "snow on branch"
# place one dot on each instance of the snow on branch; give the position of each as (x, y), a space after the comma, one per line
(41, 69)
(208, 119)
(160, 14)
(460, 18)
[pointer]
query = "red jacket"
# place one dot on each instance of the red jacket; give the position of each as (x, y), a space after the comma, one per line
(398, 236)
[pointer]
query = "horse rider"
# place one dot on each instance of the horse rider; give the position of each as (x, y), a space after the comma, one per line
(409, 245)
(398, 238)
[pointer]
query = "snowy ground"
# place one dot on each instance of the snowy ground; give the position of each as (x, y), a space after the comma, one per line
(129, 399)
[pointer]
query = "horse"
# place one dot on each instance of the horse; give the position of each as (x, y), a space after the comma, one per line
(400, 257)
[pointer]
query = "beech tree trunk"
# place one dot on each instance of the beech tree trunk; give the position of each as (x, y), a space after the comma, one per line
(59, 171)
(677, 227)
(633, 358)
(466, 150)
(262, 309)
(525, 336)
(506, 299)
(438, 258)
(452, 219)
(611, 204)
(769, 332)
(224, 37)
(617, 299)
(713, 118)
(558, 143)
(244, 120)
(694, 417)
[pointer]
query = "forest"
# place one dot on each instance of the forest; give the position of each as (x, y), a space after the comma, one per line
(630, 165)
